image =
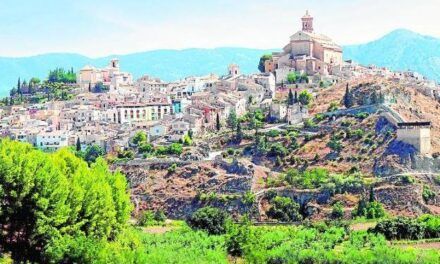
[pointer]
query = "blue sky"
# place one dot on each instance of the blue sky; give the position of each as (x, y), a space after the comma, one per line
(98, 27)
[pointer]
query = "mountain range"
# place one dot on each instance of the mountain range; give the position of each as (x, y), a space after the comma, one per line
(398, 50)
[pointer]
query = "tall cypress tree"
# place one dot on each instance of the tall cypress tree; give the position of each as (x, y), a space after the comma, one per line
(19, 86)
(348, 98)
(78, 144)
(295, 100)
(290, 99)
(218, 125)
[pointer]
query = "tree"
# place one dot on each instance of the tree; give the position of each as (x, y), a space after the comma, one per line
(291, 98)
(337, 210)
(209, 219)
(232, 120)
(139, 137)
(50, 199)
(218, 126)
(292, 77)
(348, 98)
(190, 134)
(13, 92)
(284, 209)
(18, 87)
(305, 98)
(239, 133)
(295, 100)
(175, 149)
(263, 59)
(78, 144)
(92, 153)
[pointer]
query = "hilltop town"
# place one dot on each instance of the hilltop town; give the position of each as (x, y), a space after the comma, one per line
(221, 139)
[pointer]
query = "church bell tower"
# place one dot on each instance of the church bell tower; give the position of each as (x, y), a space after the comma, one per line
(307, 23)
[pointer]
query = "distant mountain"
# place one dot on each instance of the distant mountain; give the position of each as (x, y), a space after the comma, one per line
(400, 50)
(168, 65)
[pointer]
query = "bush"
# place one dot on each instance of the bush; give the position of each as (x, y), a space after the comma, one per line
(145, 147)
(139, 137)
(370, 210)
(400, 228)
(432, 225)
(427, 194)
(284, 209)
(273, 133)
(337, 210)
(278, 150)
(209, 219)
(172, 168)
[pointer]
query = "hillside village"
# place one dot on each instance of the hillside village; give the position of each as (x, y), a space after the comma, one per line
(215, 139)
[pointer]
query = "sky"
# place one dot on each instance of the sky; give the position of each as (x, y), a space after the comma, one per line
(102, 27)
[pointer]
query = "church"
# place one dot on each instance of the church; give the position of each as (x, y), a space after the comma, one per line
(307, 52)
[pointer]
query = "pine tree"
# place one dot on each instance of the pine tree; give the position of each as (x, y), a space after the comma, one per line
(295, 99)
(348, 98)
(218, 125)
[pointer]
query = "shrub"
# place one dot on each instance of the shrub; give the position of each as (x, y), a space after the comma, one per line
(308, 123)
(427, 194)
(407, 179)
(273, 133)
(400, 228)
(248, 198)
(145, 147)
(284, 209)
(139, 137)
(432, 225)
(337, 210)
(278, 150)
(209, 219)
(147, 219)
(172, 168)
(370, 210)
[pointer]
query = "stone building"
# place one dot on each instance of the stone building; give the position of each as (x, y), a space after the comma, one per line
(307, 52)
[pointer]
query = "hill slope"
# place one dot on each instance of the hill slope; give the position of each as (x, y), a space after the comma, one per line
(166, 64)
(400, 50)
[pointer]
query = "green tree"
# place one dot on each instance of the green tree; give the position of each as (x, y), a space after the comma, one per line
(175, 149)
(305, 98)
(92, 153)
(232, 120)
(292, 77)
(49, 199)
(348, 98)
(239, 133)
(284, 209)
(78, 144)
(18, 87)
(139, 137)
(263, 59)
(291, 98)
(218, 125)
(209, 219)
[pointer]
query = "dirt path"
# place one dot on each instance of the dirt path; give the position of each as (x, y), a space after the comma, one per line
(426, 245)
(362, 226)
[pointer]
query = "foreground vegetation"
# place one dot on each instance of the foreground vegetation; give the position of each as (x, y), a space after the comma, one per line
(57, 208)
